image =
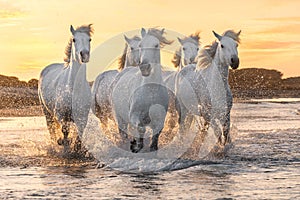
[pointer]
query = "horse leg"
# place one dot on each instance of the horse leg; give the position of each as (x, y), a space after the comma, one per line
(226, 129)
(193, 150)
(122, 128)
(103, 122)
(138, 142)
(218, 130)
(65, 130)
(157, 114)
(51, 124)
(154, 142)
(77, 145)
(172, 113)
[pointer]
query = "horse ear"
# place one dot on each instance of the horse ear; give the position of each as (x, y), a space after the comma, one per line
(126, 39)
(179, 40)
(162, 31)
(72, 29)
(239, 32)
(217, 36)
(143, 32)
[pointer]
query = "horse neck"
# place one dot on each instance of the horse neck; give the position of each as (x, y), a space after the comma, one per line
(216, 81)
(127, 61)
(180, 65)
(74, 67)
(156, 76)
(222, 68)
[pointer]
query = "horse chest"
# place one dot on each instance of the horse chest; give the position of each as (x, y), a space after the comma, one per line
(147, 95)
(63, 103)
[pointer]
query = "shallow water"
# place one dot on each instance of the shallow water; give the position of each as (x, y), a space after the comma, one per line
(263, 163)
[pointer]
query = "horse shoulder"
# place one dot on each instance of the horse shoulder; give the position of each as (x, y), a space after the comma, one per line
(187, 72)
(51, 68)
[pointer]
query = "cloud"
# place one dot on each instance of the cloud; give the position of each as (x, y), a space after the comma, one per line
(8, 10)
(5, 14)
(280, 19)
(264, 44)
(282, 29)
(280, 3)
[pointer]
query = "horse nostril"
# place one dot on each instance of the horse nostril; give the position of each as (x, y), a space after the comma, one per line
(232, 60)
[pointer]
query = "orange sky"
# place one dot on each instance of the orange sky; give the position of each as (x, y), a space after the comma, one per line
(34, 33)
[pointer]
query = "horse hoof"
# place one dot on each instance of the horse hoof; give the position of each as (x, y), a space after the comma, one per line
(64, 142)
(154, 148)
(135, 147)
(60, 141)
(77, 147)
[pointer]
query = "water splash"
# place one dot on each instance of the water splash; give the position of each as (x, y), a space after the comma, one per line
(176, 150)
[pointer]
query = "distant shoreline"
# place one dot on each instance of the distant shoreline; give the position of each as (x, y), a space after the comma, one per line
(20, 98)
(33, 111)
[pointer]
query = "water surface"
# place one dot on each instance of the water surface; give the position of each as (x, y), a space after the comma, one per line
(263, 163)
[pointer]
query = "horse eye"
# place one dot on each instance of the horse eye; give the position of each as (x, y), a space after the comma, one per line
(73, 39)
(90, 39)
(156, 46)
(197, 49)
(222, 46)
(183, 49)
(131, 48)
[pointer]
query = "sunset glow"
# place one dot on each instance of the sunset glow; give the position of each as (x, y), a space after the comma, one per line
(34, 33)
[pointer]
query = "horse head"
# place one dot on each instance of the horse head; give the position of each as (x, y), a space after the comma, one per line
(227, 48)
(189, 49)
(150, 44)
(81, 38)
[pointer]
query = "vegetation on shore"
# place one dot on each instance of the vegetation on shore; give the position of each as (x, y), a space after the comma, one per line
(246, 83)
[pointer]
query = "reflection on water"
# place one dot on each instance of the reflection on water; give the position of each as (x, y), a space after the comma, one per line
(263, 164)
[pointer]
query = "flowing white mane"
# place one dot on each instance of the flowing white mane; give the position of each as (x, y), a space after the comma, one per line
(159, 35)
(122, 59)
(207, 54)
(88, 29)
(193, 38)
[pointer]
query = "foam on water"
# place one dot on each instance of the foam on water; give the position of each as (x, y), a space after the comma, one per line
(180, 151)
(263, 163)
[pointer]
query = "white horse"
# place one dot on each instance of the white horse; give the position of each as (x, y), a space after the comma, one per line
(64, 91)
(101, 92)
(203, 90)
(185, 55)
(139, 97)
(187, 52)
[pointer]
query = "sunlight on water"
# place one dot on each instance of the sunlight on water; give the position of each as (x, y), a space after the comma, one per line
(262, 162)
(26, 142)
(174, 148)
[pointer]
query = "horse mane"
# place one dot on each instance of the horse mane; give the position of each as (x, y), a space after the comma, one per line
(176, 58)
(122, 59)
(68, 51)
(88, 29)
(207, 54)
(193, 38)
(233, 35)
(159, 35)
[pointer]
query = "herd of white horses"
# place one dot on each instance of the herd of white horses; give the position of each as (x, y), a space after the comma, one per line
(139, 94)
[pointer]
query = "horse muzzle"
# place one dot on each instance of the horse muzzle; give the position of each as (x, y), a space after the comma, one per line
(235, 62)
(189, 61)
(85, 56)
(145, 69)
